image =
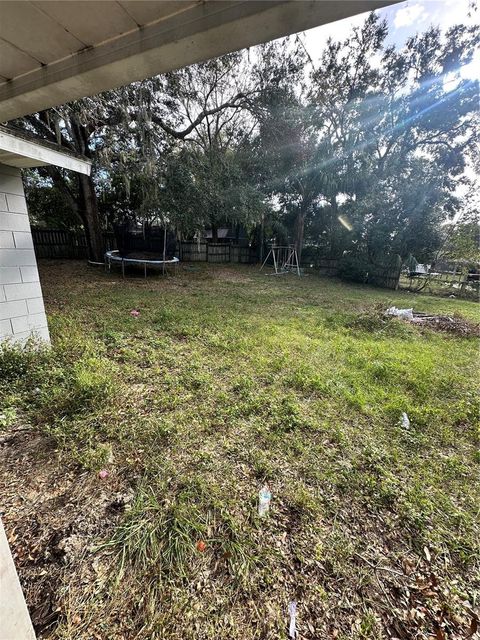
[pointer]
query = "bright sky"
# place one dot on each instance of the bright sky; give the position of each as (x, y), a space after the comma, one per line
(404, 20)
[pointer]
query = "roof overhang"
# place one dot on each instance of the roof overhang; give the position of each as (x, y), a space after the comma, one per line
(53, 51)
(18, 151)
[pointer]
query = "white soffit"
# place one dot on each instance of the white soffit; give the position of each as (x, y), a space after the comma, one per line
(55, 51)
(17, 151)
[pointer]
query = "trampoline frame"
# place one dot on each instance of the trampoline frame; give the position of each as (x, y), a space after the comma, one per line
(114, 257)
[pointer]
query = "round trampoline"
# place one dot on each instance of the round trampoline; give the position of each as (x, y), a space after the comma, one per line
(139, 260)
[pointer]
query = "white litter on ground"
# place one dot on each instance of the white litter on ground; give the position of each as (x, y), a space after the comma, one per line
(292, 610)
(405, 314)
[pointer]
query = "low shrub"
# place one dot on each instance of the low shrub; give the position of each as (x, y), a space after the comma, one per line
(21, 361)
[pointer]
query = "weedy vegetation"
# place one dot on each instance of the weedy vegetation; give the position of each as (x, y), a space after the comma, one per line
(229, 379)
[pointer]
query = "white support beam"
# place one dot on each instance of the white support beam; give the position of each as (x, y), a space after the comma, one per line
(17, 151)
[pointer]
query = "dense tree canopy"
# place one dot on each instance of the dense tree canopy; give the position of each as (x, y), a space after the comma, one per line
(360, 153)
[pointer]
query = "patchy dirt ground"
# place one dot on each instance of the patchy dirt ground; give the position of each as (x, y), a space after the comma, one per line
(455, 325)
(53, 512)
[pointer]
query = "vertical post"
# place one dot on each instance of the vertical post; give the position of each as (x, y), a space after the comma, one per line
(123, 269)
(264, 262)
(164, 248)
(262, 234)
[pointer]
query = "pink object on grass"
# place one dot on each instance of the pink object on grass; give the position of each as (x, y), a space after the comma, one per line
(103, 474)
(134, 313)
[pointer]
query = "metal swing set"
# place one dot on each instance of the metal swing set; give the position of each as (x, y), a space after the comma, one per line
(285, 260)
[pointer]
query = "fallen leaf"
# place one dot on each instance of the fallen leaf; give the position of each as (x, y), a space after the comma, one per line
(427, 554)
(407, 566)
(439, 634)
(473, 627)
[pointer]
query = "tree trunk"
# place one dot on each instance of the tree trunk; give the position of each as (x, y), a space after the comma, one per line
(91, 219)
(214, 233)
(333, 226)
(298, 232)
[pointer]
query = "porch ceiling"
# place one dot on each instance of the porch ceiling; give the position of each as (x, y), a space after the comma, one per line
(54, 51)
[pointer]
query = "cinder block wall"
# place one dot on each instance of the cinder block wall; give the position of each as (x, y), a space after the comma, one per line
(22, 313)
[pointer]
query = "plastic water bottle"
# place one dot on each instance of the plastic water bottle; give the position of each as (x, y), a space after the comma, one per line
(264, 498)
(292, 610)
(405, 422)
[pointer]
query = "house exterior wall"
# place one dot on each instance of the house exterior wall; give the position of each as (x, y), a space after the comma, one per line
(22, 312)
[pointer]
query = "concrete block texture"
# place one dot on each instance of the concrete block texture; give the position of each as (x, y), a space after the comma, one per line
(22, 291)
(23, 239)
(35, 305)
(28, 323)
(16, 204)
(14, 222)
(6, 240)
(22, 313)
(11, 275)
(13, 309)
(12, 183)
(29, 274)
(5, 328)
(18, 258)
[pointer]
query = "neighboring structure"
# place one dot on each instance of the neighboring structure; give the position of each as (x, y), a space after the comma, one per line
(22, 313)
(227, 234)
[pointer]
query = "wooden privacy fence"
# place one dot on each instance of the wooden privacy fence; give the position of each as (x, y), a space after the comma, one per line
(59, 243)
(386, 275)
(325, 266)
(215, 252)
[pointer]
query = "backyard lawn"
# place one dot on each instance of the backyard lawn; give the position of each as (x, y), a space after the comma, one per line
(225, 380)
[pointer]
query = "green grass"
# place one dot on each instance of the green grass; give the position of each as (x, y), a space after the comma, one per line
(229, 379)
